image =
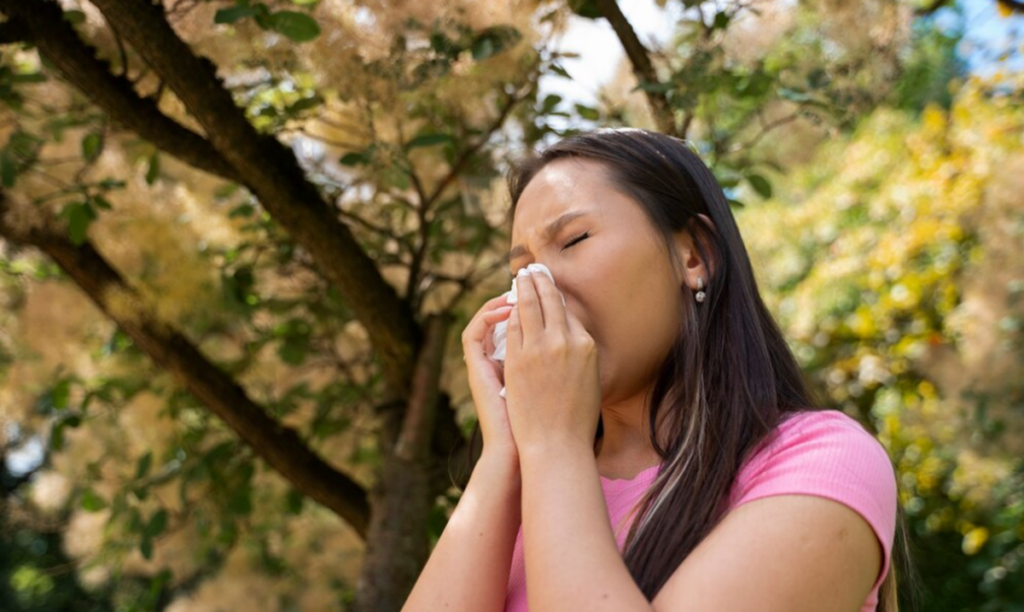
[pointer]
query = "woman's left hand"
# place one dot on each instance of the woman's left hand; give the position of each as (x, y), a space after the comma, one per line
(552, 381)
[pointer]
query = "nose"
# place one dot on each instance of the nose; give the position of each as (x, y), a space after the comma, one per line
(540, 268)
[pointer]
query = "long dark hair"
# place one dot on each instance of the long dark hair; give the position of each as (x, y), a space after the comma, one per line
(729, 379)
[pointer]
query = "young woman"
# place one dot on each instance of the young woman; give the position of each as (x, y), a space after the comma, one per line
(714, 482)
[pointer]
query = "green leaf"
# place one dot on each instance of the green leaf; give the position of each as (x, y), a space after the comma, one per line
(109, 183)
(242, 210)
(31, 77)
(428, 140)
(352, 159)
(793, 95)
(157, 524)
(263, 17)
(656, 87)
(585, 8)
(74, 16)
(483, 48)
(551, 102)
(143, 465)
(562, 72)
(440, 43)
(240, 501)
(304, 104)
(760, 185)
(233, 14)
(57, 437)
(293, 502)
(588, 112)
(91, 501)
(60, 394)
(297, 26)
(92, 146)
(79, 215)
(146, 546)
(293, 350)
(225, 191)
(100, 202)
(154, 169)
(8, 169)
(493, 40)
(721, 21)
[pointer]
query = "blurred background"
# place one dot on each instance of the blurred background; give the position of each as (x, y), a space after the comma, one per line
(218, 277)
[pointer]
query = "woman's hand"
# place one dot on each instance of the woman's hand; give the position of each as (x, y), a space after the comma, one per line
(486, 378)
(552, 381)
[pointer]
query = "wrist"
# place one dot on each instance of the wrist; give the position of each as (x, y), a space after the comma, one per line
(547, 454)
(501, 465)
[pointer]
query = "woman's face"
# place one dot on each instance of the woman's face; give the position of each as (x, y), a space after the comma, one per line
(617, 280)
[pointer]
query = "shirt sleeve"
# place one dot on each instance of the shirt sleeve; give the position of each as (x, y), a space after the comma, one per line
(828, 454)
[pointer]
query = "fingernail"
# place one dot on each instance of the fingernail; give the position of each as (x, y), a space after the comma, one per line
(522, 272)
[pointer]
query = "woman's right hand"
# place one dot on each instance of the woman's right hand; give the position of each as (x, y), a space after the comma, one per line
(487, 377)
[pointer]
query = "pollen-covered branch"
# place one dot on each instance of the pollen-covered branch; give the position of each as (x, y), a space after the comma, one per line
(276, 444)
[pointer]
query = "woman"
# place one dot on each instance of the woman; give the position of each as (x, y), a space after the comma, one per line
(713, 483)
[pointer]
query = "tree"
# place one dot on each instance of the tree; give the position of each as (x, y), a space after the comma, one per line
(238, 237)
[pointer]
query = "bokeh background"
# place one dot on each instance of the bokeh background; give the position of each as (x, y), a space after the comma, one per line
(178, 342)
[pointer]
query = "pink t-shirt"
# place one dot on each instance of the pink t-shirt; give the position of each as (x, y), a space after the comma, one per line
(825, 453)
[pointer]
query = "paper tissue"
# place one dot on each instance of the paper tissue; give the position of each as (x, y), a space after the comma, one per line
(501, 328)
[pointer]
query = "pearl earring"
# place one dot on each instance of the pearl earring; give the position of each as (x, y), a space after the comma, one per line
(700, 289)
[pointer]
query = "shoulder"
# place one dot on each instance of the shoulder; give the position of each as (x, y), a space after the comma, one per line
(786, 553)
(820, 530)
(825, 453)
(829, 455)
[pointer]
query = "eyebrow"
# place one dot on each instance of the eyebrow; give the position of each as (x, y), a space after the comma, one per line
(553, 228)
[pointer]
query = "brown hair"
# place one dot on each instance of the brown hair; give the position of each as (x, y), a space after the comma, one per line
(729, 378)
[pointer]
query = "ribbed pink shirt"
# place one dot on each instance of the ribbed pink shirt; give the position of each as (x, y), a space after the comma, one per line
(824, 453)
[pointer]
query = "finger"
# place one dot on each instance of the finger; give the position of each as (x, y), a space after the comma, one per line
(513, 335)
(531, 318)
(479, 331)
(497, 313)
(478, 324)
(551, 303)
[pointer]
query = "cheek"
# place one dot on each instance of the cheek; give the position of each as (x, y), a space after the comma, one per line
(637, 325)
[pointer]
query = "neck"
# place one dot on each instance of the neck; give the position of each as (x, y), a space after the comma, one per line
(624, 448)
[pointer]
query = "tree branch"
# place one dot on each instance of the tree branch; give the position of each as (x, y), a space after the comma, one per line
(278, 445)
(274, 176)
(414, 440)
(77, 62)
(14, 30)
(640, 58)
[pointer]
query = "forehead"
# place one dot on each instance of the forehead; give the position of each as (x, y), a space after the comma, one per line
(563, 185)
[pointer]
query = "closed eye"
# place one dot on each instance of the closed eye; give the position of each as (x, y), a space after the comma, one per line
(579, 238)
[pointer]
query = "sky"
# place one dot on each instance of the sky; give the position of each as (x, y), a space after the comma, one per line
(987, 34)
(601, 51)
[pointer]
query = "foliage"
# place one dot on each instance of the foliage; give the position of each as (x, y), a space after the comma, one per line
(871, 257)
(403, 120)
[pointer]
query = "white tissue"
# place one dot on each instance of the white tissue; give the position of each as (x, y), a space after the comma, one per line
(501, 328)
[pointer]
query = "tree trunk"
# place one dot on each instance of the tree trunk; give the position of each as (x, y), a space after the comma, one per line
(397, 544)
(401, 501)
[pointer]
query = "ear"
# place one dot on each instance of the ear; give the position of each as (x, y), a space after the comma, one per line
(693, 265)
